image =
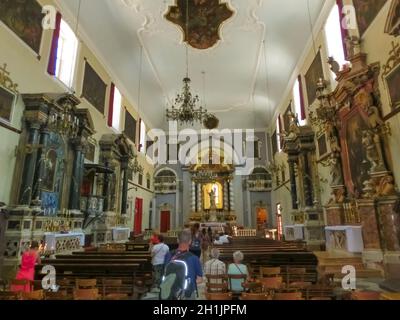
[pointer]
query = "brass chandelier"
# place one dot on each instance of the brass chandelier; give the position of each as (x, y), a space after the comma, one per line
(184, 109)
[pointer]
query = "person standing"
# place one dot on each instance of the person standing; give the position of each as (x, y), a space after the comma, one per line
(158, 253)
(194, 271)
(197, 240)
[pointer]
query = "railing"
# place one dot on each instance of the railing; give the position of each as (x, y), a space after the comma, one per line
(165, 184)
(245, 233)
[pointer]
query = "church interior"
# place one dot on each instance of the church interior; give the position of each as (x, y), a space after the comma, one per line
(281, 138)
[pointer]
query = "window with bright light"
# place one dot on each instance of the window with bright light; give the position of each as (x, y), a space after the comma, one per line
(297, 102)
(142, 142)
(278, 133)
(333, 35)
(117, 107)
(66, 54)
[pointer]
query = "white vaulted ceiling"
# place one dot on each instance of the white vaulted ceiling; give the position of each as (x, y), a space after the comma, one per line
(236, 89)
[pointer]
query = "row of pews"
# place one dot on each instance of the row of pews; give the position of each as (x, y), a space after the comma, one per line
(261, 252)
(129, 264)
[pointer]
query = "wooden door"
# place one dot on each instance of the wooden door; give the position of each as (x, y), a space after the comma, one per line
(165, 223)
(137, 227)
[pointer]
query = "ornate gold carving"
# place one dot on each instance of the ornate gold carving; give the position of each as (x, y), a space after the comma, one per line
(393, 60)
(5, 80)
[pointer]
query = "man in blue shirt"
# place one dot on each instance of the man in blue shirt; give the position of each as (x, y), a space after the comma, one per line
(195, 272)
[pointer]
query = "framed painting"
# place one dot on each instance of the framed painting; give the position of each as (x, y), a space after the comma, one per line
(366, 12)
(51, 168)
(24, 18)
(94, 88)
(286, 118)
(274, 143)
(130, 127)
(91, 150)
(314, 73)
(393, 20)
(7, 102)
(355, 164)
(393, 85)
(322, 146)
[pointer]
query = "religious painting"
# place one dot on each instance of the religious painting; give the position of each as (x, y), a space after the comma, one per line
(50, 203)
(51, 167)
(274, 143)
(90, 151)
(355, 164)
(7, 101)
(130, 127)
(94, 88)
(393, 21)
(393, 85)
(322, 146)
(286, 118)
(200, 20)
(366, 11)
(314, 73)
(24, 18)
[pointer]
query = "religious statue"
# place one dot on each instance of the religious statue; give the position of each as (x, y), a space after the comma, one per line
(352, 46)
(372, 144)
(336, 171)
(294, 129)
(212, 199)
(386, 187)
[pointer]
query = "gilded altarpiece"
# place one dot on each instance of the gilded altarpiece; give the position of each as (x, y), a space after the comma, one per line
(364, 195)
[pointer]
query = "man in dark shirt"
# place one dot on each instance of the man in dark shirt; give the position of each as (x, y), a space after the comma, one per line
(195, 271)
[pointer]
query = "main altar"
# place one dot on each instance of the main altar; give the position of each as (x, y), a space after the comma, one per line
(212, 194)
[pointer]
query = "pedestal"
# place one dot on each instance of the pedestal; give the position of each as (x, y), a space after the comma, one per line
(314, 228)
(334, 214)
(370, 231)
(389, 223)
(2, 240)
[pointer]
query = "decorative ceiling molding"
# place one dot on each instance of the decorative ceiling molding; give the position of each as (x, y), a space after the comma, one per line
(246, 23)
(203, 22)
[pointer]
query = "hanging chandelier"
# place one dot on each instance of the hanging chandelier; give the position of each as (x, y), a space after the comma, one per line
(184, 109)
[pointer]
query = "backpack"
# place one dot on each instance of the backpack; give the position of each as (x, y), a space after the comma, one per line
(196, 243)
(175, 281)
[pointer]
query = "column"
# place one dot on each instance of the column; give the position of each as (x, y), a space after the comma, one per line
(77, 175)
(106, 182)
(41, 168)
(293, 186)
(226, 198)
(199, 198)
(28, 172)
(231, 197)
(193, 196)
(124, 196)
(307, 182)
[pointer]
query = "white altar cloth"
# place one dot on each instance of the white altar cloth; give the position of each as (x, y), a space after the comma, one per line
(121, 234)
(354, 242)
(294, 232)
(51, 238)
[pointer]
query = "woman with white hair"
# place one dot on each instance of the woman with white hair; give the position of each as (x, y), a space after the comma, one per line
(237, 268)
